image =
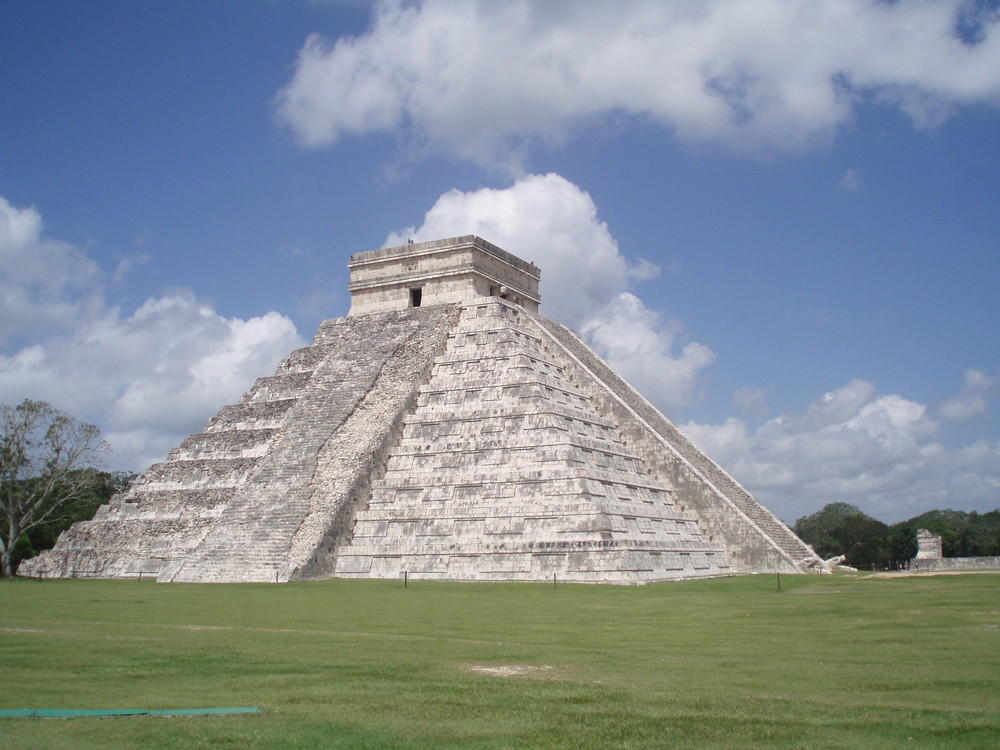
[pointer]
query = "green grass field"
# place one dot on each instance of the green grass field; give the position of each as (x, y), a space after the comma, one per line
(834, 662)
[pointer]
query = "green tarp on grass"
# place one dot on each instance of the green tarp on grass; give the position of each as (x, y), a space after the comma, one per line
(71, 713)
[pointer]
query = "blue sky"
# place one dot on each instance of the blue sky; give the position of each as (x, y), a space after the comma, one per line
(778, 219)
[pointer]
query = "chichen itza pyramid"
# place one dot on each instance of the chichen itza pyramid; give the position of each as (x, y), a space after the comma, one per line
(442, 430)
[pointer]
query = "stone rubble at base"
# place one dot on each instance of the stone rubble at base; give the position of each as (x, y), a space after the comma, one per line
(442, 430)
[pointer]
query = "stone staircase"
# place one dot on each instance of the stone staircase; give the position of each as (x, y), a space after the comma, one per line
(253, 537)
(505, 470)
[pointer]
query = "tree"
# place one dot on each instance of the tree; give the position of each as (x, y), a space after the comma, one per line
(46, 463)
(950, 525)
(962, 534)
(844, 529)
(903, 540)
(982, 534)
(104, 486)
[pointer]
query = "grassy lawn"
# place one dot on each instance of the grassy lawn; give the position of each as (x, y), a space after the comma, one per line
(834, 662)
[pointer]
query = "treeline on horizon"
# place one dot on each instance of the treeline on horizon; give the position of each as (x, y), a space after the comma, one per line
(844, 529)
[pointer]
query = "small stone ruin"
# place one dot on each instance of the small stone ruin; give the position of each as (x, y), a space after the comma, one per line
(930, 557)
(928, 546)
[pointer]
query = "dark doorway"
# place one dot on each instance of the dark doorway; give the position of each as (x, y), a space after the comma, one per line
(415, 296)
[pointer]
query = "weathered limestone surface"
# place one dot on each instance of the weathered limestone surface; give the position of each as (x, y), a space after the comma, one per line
(930, 556)
(507, 470)
(241, 501)
(441, 271)
(955, 563)
(452, 434)
(928, 545)
(756, 539)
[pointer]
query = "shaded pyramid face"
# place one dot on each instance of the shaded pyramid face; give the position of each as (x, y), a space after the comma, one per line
(464, 440)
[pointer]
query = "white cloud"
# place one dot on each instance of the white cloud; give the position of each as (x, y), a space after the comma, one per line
(879, 452)
(585, 278)
(545, 219)
(973, 400)
(45, 284)
(643, 348)
(149, 378)
(482, 80)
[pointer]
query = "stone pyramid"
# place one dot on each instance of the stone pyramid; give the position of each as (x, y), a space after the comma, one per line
(442, 430)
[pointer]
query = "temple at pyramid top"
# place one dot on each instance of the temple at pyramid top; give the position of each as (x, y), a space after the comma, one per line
(438, 272)
(442, 430)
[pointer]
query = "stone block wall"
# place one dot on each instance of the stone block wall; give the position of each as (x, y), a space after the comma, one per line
(928, 545)
(444, 271)
(955, 563)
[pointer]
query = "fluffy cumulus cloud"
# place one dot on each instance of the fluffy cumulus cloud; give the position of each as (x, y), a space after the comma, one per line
(481, 80)
(586, 281)
(972, 401)
(45, 284)
(880, 452)
(147, 378)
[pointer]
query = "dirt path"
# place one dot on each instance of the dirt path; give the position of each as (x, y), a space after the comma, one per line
(909, 573)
